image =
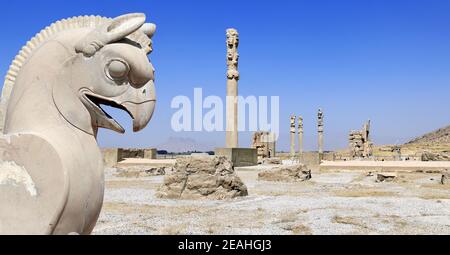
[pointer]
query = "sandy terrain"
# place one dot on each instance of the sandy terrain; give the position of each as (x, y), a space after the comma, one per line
(330, 203)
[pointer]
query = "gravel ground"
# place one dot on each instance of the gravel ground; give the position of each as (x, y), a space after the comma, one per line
(330, 203)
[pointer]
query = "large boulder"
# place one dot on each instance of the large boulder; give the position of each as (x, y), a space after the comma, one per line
(202, 177)
(293, 173)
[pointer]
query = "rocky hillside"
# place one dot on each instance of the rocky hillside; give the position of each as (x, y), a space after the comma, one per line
(440, 136)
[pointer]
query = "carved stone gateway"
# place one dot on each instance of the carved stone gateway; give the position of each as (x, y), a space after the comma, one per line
(264, 143)
(359, 143)
(51, 169)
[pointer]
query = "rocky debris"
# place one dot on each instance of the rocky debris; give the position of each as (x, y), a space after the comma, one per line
(271, 161)
(293, 173)
(445, 178)
(386, 177)
(438, 156)
(202, 177)
(142, 171)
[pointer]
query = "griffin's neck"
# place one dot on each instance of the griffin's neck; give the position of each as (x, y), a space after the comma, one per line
(32, 106)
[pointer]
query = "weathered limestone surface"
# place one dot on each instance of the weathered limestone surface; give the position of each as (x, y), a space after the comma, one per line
(112, 156)
(137, 171)
(150, 153)
(51, 108)
(210, 177)
(136, 153)
(142, 167)
(292, 173)
(239, 156)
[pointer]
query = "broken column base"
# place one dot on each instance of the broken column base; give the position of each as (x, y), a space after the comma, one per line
(239, 156)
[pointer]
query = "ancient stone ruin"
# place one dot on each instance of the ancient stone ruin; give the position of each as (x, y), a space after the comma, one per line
(359, 143)
(232, 42)
(320, 117)
(210, 177)
(112, 156)
(293, 173)
(300, 138)
(239, 156)
(264, 143)
(292, 135)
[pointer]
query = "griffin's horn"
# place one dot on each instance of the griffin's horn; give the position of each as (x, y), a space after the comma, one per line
(124, 25)
(148, 29)
(117, 29)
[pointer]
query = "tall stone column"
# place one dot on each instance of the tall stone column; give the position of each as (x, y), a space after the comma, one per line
(300, 137)
(367, 142)
(232, 89)
(320, 133)
(292, 131)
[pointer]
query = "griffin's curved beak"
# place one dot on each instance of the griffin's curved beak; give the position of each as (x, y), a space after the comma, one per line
(140, 104)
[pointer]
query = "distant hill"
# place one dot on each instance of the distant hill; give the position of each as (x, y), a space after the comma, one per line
(440, 136)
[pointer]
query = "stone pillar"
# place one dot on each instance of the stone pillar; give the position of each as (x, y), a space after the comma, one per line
(292, 131)
(232, 89)
(320, 133)
(300, 138)
(367, 142)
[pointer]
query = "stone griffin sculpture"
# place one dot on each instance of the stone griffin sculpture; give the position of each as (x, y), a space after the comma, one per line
(51, 169)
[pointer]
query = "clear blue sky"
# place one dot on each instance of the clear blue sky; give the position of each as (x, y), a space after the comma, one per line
(384, 60)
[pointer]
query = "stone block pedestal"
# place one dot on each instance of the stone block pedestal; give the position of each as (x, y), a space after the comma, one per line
(239, 156)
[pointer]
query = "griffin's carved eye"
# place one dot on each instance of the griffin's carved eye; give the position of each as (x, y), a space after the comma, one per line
(118, 69)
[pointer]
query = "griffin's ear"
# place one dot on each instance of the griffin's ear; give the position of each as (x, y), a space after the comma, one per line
(124, 25)
(113, 31)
